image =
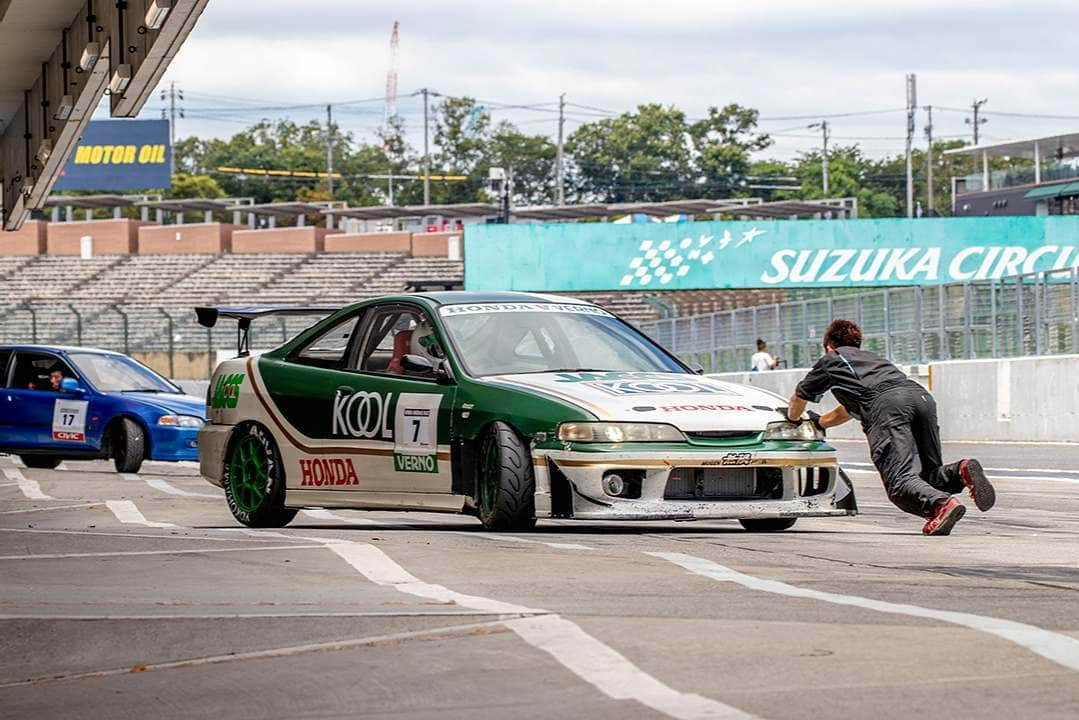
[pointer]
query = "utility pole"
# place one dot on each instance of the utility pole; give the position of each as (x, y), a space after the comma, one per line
(976, 105)
(171, 95)
(559, 177)
(929, 160)
(824, 132)
(912, 106)
(426, 155)
(329, 150)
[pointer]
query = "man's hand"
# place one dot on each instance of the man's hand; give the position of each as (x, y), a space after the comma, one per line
(815, 418)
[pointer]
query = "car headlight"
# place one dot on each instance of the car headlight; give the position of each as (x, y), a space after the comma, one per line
(612, 432)
(783, 430)
(184, 421)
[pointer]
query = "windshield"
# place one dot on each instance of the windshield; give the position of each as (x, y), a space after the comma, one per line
(117, 373)
(509, 338)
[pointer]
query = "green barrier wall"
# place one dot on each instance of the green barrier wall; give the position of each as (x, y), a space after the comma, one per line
(746, 254)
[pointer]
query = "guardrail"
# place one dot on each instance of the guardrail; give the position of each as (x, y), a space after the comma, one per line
(1015, 316)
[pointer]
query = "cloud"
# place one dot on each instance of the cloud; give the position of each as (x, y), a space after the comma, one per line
(780, 56)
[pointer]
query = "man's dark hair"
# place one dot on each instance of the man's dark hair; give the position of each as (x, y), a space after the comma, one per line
(843, 333)
(761, 345)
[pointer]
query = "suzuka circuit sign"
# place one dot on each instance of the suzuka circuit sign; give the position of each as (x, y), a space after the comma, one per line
(747, 254)
(121, 155)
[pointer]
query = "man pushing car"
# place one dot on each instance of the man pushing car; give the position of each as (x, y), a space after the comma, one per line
(899, 418)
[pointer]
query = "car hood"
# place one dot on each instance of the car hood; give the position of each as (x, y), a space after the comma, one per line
(172, 403)
(689, 402)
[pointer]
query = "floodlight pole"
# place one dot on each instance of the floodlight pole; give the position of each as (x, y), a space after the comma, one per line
(559, 176)
(426, 155)
(329, 150)
(912, 102)
(929, 160)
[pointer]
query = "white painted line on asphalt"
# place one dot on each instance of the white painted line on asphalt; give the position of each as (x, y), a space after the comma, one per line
(55, 507)
(135, 553)
(9, 484)
(591, 660)
(611, 672)
(126, 512)
(62, 466)
(29, 487)
(17, 461)
(328, 515)
(514, 539)
(164, 486)
(170, 536)
(1053, 646)
(130, 477)
(452, 630)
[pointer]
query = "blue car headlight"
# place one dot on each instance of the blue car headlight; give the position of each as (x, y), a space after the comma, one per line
(183, 421)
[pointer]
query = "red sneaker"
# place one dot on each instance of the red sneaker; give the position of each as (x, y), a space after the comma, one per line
(981, 490)
(948, 514)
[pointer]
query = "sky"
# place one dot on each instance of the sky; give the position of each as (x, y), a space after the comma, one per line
(795, 62)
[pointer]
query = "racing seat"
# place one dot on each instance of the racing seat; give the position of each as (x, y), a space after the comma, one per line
(402, 344)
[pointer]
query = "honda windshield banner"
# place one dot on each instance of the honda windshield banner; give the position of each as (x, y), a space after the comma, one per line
(119, 155)
(763, 254)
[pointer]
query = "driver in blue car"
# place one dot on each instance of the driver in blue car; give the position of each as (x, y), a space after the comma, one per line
(899, 418)
(55, 378)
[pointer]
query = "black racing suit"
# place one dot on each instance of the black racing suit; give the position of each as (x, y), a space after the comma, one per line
(899, 418)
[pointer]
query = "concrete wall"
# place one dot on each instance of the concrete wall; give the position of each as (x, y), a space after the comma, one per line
(281, 240)
(111, 237)
(188, 239)
(396, 242)
(434, 244)
(1032, 399)
(30, 239)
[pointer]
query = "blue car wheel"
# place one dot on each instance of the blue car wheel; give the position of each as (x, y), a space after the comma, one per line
(128, 445)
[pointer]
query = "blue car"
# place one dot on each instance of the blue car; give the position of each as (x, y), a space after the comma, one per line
(68, 403)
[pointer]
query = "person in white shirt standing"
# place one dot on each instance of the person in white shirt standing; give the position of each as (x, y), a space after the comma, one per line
(762, 360)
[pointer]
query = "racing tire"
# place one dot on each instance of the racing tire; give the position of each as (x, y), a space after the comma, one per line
(768, 524)
(40, 462)
(254, 479)
(128, 446)
(506, 485)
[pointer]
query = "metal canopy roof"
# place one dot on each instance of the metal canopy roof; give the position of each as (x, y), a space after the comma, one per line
(1050, 146)
(782, 209)
(1056, 190)
(281, 208)
(91, 202)
(193, 204)
(560, 212)
(663, 209)
(391, 212)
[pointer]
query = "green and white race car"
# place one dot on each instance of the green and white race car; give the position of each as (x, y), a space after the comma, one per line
(508, 406)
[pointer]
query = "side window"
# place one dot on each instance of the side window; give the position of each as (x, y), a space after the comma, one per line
(5, 355)
(392, 334)
(328, 349)
(39, 371)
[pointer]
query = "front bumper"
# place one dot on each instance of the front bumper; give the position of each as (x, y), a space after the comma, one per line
(174, 443)
(801, 484)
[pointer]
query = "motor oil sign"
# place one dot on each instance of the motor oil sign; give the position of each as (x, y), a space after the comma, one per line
(120, 155)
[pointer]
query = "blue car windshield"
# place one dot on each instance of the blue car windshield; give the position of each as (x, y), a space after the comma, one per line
(509, 338)
(117, 373)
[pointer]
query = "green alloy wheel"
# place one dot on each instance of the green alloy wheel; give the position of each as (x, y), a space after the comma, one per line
(255, 479)
(506, 483)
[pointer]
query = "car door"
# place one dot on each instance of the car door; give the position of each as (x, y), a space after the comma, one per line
(414, 405)
(42, 417)
(7, 400)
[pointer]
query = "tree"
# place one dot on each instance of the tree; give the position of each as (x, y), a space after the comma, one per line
(641, 156)
(194, 186)
(530, 159)
(724, 141)
(850, 174)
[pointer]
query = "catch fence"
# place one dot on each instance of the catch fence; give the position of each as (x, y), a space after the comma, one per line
(1029, 314)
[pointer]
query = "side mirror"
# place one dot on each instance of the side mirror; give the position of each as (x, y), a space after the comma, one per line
(71, 385)
(696, 368)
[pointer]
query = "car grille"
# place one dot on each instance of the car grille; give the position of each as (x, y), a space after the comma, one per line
(723, 434)
(724, 484)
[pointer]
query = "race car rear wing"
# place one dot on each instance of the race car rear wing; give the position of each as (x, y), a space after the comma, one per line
(244, 314)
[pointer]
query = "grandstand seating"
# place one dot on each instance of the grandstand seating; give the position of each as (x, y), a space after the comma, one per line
(143, 285)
